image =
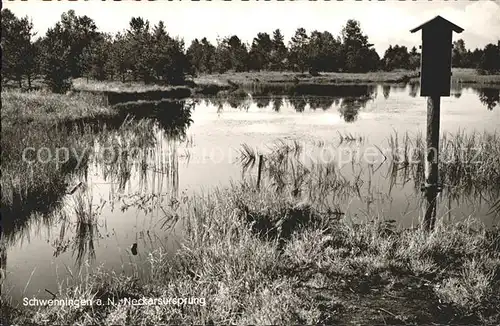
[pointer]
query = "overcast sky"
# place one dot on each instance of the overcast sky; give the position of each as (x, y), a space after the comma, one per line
(385, 22)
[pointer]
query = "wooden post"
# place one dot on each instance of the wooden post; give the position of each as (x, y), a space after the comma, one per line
(432, 160)
(435, 81)
(259, 172)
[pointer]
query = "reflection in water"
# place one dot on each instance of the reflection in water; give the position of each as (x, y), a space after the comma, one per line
(236, 100)
(261, 102)
(172, 116)
(321, 102)
(386, 90)
(298, 103)
(277, 103)
(489, 97)
(350, 106)
(414, 88)
(132, 147)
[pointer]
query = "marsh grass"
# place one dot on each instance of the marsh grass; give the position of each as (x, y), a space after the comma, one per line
(81, 84)
(49, 122)
(259, 257)
(87, 215)
(469, 163)
(36, 120)
(34, 191)
(285, 253)
(469, 169)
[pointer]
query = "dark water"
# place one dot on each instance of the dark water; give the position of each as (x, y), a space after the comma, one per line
(197, 148)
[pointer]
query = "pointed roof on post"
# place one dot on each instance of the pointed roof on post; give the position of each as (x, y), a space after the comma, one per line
(439, 21)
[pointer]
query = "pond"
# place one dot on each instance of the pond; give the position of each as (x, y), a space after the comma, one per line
(199, 146)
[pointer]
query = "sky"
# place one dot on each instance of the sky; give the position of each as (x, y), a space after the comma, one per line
(385, 22)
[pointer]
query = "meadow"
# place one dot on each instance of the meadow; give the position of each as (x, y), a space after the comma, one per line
(460, 75)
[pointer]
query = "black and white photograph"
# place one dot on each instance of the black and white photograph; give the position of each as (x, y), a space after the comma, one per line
(250, 162)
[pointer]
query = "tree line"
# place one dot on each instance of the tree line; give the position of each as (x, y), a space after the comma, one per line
(74, 47)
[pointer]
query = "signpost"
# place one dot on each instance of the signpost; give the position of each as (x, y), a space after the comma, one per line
(435, 81)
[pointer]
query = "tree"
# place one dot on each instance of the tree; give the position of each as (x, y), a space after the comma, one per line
(231, 53)
(222, 56)
(490, 59)
(97, 58)
(208, 60)
(195, 56)
(323, 52)
(238, 53)
(56, 55)
(18, 50)
(120, 59)
(475, 57)
(459, 54)
(414, 58)
(356, 49)
(298, 50)
(279, 51)
(397, 57)
(138, 41)
(261, 51)
(201, 55)
(78, 33)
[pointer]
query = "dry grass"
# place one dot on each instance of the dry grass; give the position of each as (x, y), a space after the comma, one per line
(264, 258)
(82, 84)
(460, 75)
(246, 78)
(471, 76)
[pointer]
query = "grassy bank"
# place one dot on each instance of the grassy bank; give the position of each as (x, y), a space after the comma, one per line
(247, 78)
(38, 126)
(471, 76)
(265, 258)
(468, 76)
(114, 92)
(38, 121)
(82, 84)
(48, 141)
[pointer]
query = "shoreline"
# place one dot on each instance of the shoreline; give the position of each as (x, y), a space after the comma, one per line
(214, 83)
(461, 76)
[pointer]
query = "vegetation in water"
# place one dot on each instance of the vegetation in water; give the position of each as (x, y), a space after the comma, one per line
(49, 139)
(262, 257)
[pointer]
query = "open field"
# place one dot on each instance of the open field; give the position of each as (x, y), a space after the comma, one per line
(116, 86)
(469, 76)
(245, 78)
